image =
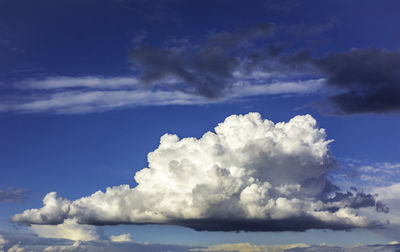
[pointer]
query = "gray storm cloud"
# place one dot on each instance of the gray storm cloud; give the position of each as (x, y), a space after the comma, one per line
(250, 174)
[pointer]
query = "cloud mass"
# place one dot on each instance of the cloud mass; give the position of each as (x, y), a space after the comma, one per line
(250, 174)
(369, 80)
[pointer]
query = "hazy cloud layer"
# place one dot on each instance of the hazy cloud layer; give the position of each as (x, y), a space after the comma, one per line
(251, 174)
(29, 242)
(357, 248)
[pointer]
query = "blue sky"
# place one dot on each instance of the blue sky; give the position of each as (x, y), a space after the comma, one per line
(87, 88)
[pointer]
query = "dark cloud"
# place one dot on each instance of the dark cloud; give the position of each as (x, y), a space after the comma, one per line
(381, 207)
(12, 194)
(369, 78)
(365, 80)
(205, 69)
(356, 201)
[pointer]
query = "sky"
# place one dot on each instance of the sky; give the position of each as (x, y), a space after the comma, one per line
(168, 125)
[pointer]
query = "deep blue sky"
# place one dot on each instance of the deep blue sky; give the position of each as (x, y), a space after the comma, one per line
(77, 154)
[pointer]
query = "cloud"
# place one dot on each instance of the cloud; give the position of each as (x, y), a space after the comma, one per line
(224, 66)
(3, 242)
(206, 68)
(121, 238)
(118, 247)
(369, 80)
(63, 82)
(250, 174)
(74, 95)
(37, 244)
(381, 184)
(18, 248)
(31, 243)
(12, 194)
(357, 248)
(380, 173)
(388, 195)
(75, 247)
(365, 80)
(69, 229)
(247, 247)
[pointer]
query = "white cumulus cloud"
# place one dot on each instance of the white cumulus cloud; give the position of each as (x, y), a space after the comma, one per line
(249, 174)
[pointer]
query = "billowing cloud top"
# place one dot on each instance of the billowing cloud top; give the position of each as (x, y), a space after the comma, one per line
(251, 174)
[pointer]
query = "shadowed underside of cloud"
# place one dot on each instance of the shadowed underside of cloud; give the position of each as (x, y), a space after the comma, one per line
(250, 174)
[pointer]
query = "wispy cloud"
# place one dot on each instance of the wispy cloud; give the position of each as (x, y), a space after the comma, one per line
(12, 194)
(64, 82)
(74, 95)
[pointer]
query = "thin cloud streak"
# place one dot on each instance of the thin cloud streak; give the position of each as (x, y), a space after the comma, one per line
(77, 95)
(81, 82)
(12, 194)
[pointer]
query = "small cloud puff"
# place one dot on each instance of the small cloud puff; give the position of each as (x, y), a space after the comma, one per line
(121, 238)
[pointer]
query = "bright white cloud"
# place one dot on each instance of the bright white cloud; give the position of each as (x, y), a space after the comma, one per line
(250, 174)
(87, 94)
(121, 238)
(247, 247)
(69, 229)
